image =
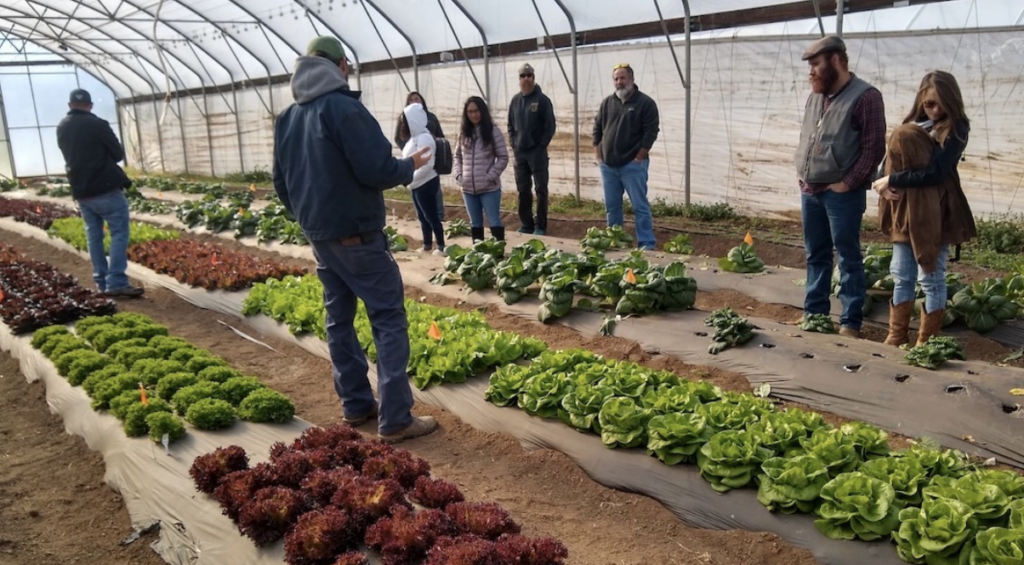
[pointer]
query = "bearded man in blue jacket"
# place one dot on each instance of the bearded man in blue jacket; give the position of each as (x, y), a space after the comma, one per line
(331, 166)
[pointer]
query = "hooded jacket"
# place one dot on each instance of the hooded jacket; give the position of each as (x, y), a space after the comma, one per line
(416, 117)
(331, 159)
(91, 152)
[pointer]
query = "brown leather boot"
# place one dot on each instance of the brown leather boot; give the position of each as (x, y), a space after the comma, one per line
(931, 324)
(899, 323)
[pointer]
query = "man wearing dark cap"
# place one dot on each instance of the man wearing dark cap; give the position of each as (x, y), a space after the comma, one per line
(331, 166)
(531, 125)
(841, 143)
(91, 153)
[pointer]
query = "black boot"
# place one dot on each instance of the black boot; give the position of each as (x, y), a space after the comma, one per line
(498, 233)
(477, 234)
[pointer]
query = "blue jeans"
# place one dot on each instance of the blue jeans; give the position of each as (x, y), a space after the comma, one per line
(367, 271)
(486, 203)
(112, 208)
(832, 219)
(630, 178)
(424, 199)
(906, 272)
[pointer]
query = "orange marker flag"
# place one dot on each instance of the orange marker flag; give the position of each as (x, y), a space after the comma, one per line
(1, 295)
(214, 260)
(434, 332)
(252, 187)
(241, 211)
(749, 240)
(39, 209)
(142, 395)
(630, 277)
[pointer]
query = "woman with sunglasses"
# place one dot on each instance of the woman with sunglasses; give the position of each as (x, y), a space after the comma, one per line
(922, 207)
(480, 157)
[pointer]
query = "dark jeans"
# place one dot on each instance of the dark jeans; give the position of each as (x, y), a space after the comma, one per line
(368, 272)
(424, 199)
(531, 170)
(830, 220)
(112, 208)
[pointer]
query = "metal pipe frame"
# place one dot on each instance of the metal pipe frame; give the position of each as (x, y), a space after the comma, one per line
(412, 46)
(7, 135)
(685, 79)
(840, 8)
(392, 57)
(817, 12)
(573, 87)
(459, 43)
(58, 36)
(193, 47)
(330, 28)
(486, 48)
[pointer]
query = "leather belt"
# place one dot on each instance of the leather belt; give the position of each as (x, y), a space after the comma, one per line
(358, 239)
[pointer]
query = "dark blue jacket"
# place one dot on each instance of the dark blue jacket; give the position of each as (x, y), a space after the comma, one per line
(331, 159)
(91, 152)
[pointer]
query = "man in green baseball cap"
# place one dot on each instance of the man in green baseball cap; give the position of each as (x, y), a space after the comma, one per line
(327, 47)
(332, 164)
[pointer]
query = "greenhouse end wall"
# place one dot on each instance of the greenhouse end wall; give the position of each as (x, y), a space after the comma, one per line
(747, 103)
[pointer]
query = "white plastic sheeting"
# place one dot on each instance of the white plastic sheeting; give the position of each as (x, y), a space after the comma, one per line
(748, 97)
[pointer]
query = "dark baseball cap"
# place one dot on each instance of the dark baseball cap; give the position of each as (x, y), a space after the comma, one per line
(827, 44)
(79, 96)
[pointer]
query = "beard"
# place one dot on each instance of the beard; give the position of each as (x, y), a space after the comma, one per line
(823, 82)
(623, 92)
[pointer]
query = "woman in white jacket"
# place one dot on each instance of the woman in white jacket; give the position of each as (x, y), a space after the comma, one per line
(426, 185)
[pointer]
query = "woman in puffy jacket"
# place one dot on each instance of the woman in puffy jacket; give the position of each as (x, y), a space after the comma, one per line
(480, 157)
(425, 185)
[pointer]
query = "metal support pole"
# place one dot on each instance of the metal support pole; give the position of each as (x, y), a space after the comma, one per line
(689, 96)
(39, 129)
(412, 46)
(159, 134)
(7, 135)
(685, 79)
(840, 8)
(209, 133)
(120, 129)
(238, 128)
(817, 12)
(572, 87)
(485, 47)
(181, 128)
(459, 43)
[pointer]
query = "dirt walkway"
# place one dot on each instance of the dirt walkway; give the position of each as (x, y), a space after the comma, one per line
(54, 506)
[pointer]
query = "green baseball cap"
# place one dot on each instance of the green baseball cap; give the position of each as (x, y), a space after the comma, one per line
(327, 45)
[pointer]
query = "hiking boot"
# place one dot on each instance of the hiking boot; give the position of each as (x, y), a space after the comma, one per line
(127, 291)
(440, 253)
(418, 427)
(849, 332)
(361, 419)
(539, 231)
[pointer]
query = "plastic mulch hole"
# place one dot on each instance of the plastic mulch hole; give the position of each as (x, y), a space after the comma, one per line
(851, 368)
(768, 345)
(879, 355)
(701, 334)
(807, 356)
(970, 372)
(1013, 409)
(954, 389)
(842, 345)
(901, 378)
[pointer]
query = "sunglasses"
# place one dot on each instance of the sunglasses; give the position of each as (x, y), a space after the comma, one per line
(621, 66)
(525, 75)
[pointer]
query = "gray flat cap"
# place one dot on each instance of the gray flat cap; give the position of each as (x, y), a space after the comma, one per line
(826, 44)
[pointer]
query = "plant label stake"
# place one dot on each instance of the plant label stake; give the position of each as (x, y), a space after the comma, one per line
(434, 332)
(749, 239)
(166, 441)
(142, 394)
(252, 187)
